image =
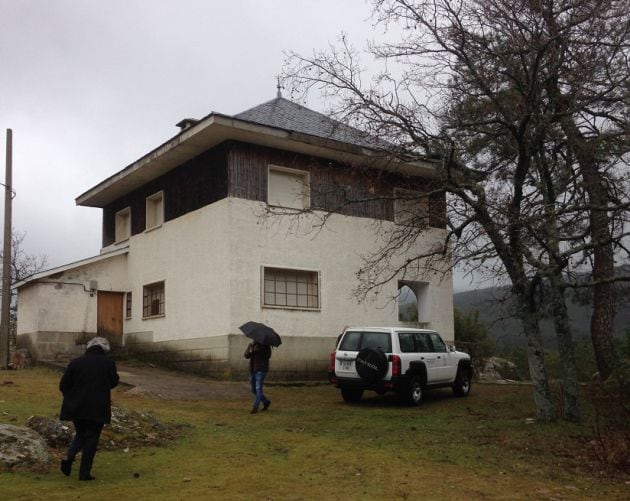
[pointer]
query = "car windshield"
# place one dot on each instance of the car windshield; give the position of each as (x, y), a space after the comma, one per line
(357, 340)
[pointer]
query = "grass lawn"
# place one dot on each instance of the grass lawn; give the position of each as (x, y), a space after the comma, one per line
(310, 445)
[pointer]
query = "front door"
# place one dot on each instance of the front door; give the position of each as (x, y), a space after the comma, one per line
(109, 316)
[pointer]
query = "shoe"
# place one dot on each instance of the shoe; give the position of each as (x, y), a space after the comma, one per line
(87, 477)
(254, 410)
(66, 467)
(266, 405)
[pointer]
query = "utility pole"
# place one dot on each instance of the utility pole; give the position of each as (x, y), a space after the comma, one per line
(6, 257)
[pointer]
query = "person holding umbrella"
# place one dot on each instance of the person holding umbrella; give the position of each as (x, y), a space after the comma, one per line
(259, 352)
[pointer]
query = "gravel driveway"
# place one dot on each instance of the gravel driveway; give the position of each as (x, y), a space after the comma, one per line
(171, 385)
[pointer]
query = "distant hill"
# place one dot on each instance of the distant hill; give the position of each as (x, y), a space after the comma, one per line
(494, 310)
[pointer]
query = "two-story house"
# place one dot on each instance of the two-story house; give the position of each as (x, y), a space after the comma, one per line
(265, 215)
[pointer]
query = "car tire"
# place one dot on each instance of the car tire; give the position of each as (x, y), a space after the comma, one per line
(461, 388)
(351, 396)
(414, 391)
(371, 365)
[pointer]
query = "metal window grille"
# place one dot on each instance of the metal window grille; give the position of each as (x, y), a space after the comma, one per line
(153, 300)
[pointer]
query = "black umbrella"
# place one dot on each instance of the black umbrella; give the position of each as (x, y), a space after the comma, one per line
(261, 333)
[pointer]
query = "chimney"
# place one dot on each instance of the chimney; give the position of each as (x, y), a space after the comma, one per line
(186, 123)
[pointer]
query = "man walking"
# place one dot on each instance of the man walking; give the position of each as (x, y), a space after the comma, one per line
(86, 386)
(258, 355)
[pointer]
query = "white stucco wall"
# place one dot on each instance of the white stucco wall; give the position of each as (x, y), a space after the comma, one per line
(210, 261)
(191, 255)
(335, 251)
(63, 303)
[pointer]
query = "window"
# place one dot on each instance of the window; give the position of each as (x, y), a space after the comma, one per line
(411, 207)
(288, 188)
(438, 344)
(155, 210)
(153, 300)
(128, 305)
(123, 225)
(290, 288)
(357, 340)
(406, 342)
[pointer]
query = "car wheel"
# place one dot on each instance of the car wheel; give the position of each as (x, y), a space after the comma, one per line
(413, 395)
(461, 388)
(371, 365)
(351, 396)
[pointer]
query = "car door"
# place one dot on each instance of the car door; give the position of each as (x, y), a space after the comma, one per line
(426, 354)
(444, 371)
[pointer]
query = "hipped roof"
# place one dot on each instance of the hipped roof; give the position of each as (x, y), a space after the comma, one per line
(278, 123)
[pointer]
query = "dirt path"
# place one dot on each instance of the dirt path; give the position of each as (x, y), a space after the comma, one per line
(170, 385)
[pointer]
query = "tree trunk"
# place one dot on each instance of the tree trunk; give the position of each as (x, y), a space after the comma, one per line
(570, 386)
(536, 360)
(603, 256)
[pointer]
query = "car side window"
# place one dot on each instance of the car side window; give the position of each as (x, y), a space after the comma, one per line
(377, 340)
(351, 341)
(438, 344)
(422, 343)
(406, 342)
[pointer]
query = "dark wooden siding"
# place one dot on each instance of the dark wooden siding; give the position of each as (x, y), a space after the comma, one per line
(240, 170)
(346, 189)
(199, 182)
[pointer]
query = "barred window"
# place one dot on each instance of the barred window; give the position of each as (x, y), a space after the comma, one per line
(153, 300)
(286, 288)
(128, 305)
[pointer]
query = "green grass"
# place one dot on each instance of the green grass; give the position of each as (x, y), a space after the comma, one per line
(310, 445)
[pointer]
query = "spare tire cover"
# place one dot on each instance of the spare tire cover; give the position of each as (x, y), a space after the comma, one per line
(371, 364)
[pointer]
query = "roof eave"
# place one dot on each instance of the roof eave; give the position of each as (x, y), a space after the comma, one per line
(70, 266)
(217, 128)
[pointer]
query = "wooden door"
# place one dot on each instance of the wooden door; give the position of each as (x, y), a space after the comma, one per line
(109, 316)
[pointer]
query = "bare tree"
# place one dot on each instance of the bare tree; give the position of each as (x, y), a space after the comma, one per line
(490, 89)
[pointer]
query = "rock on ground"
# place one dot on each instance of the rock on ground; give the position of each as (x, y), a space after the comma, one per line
(496, 368)
(21, 446)
(54, 432)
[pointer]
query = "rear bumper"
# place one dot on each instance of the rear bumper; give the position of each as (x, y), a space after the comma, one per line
(395, 384)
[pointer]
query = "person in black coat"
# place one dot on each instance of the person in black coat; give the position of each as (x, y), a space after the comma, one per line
(86, 386)
(258, 355)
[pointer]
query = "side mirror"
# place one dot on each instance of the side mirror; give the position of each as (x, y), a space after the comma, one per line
(451, 347)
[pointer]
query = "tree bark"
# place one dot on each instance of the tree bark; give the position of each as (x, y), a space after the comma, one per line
(536, 360)
(603, 255)
(570, 386)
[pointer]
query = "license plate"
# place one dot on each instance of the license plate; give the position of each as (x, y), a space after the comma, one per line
(345, 365)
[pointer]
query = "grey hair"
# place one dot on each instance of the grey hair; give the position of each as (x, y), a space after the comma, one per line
(99, 341)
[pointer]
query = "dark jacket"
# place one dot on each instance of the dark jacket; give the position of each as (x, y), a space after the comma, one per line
(86, 386)
(259, 355)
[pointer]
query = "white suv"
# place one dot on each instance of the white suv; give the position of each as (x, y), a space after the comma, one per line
(397, 359)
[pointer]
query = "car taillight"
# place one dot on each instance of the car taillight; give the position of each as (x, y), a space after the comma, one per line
(395, 365)
(332, 362)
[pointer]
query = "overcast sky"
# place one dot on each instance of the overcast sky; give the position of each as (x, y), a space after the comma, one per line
(88, 87)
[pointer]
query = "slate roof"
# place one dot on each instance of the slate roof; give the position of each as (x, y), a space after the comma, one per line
(284, 114)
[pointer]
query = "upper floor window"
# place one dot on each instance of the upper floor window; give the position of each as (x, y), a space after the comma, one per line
(288, 188)
(286, 288)
(155, 210)
(411, 207)
(123, 225)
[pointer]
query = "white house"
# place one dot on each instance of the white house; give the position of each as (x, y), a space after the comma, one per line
(190, 250)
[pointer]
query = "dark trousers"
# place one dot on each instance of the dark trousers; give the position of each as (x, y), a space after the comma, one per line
(87, 434)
